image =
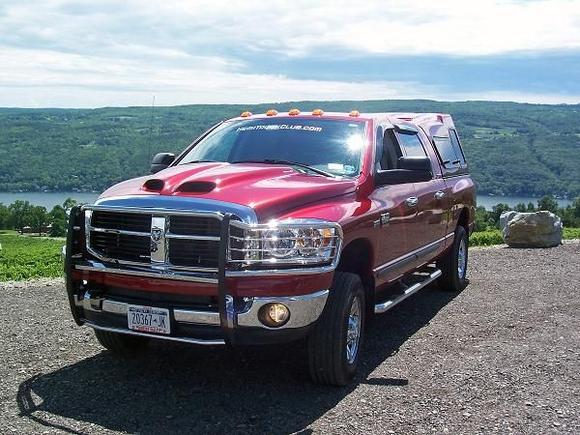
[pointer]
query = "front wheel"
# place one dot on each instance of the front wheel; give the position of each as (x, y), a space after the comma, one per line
(335, 343)
(454, 263)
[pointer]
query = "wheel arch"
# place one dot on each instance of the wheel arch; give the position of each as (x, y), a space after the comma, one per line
(463, 220)
(358, 257)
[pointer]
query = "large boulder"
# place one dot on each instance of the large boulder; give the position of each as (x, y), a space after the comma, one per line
(540, 229)
(505, 218)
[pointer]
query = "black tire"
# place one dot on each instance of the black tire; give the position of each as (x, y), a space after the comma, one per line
(452, 279)
(121, 344)
(327, 343)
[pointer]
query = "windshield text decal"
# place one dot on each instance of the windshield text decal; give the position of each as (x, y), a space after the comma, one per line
(275, 127)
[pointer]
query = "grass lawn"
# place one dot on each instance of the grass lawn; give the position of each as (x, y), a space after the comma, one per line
(24, 257)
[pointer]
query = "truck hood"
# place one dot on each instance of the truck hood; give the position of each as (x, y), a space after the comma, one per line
(270, 190)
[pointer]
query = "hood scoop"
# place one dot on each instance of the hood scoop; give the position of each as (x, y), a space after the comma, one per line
(154, 184)
(196, 187)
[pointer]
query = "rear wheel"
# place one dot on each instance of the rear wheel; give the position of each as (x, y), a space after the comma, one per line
(335, 343)
(454, 264)
(122, 344)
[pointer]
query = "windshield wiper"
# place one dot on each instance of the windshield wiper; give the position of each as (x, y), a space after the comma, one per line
(289, 163)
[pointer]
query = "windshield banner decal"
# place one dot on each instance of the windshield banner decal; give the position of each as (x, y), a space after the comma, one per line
(275, 127)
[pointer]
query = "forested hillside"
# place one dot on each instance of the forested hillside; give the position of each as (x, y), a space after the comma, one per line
(513, 149)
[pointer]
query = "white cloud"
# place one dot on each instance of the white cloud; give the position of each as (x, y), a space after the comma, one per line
(78, 54)
(37, 78)
(454, 27)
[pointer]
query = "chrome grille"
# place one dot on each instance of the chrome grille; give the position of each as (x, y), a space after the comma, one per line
(121, 246)
(200, 226)
(121, 221)
(197, 253)
(162, 240)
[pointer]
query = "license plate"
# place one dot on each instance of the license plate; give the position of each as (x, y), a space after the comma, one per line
(148, 319)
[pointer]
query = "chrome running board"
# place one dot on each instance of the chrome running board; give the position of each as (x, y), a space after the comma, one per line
(409, 291)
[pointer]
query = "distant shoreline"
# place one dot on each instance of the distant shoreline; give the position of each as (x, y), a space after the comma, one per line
(96, 192)
(50, 199)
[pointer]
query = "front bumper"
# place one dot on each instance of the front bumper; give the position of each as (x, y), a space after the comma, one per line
(204, 326)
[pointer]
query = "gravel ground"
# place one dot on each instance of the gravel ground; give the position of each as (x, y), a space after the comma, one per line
(502, 356)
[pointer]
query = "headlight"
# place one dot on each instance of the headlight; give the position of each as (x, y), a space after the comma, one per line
(296, 242)
(280, 243)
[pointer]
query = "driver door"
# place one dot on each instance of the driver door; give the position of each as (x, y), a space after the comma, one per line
(394, 219)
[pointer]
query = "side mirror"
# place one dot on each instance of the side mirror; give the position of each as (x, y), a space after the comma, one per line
(161, 161)
(410, 170)
(422, 164)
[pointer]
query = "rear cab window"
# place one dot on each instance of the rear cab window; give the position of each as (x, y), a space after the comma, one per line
(450, 153)
(457, 147)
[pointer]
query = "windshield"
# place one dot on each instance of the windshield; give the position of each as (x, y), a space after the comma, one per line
(331, 146)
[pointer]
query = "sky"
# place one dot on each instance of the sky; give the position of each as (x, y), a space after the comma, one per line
(120, 53)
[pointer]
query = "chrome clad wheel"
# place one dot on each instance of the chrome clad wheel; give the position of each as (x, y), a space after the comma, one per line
(353, 330)
(462, 259)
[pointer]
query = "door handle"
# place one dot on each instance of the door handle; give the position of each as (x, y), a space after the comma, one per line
(412, 201)
(383, 220)
(439, 194)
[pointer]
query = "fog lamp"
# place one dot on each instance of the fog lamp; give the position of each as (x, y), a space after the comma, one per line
(274, 315)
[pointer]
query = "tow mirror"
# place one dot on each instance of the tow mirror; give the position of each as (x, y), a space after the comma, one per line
(161, 161)
(415, 164)
(409, 170)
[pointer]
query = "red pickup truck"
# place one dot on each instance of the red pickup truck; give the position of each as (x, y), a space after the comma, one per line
(276, 227)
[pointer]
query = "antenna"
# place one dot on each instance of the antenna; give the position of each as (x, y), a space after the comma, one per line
(150, 134)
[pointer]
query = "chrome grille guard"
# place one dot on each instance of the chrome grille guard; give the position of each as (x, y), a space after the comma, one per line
(159, 266)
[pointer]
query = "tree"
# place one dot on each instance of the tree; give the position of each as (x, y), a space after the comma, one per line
(548, 203)
(531, 207)
(496, 212)
(4, 217)
(521, 207)
(576, 207)
(58, 229)
(68, 204)
(481, 219)
(20, 212)
(58, 220)
(567, 216)
(38, 218)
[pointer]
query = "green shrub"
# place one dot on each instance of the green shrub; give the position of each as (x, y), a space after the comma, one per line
(571, 233)
(486, 238)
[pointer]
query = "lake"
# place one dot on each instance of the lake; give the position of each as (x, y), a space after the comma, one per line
(488, 201)
(47, 199)
(51, 199)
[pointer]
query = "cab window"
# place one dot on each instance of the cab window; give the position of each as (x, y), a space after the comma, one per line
(457, 146)
(411, 144)
(389, 151)
(446, 152)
